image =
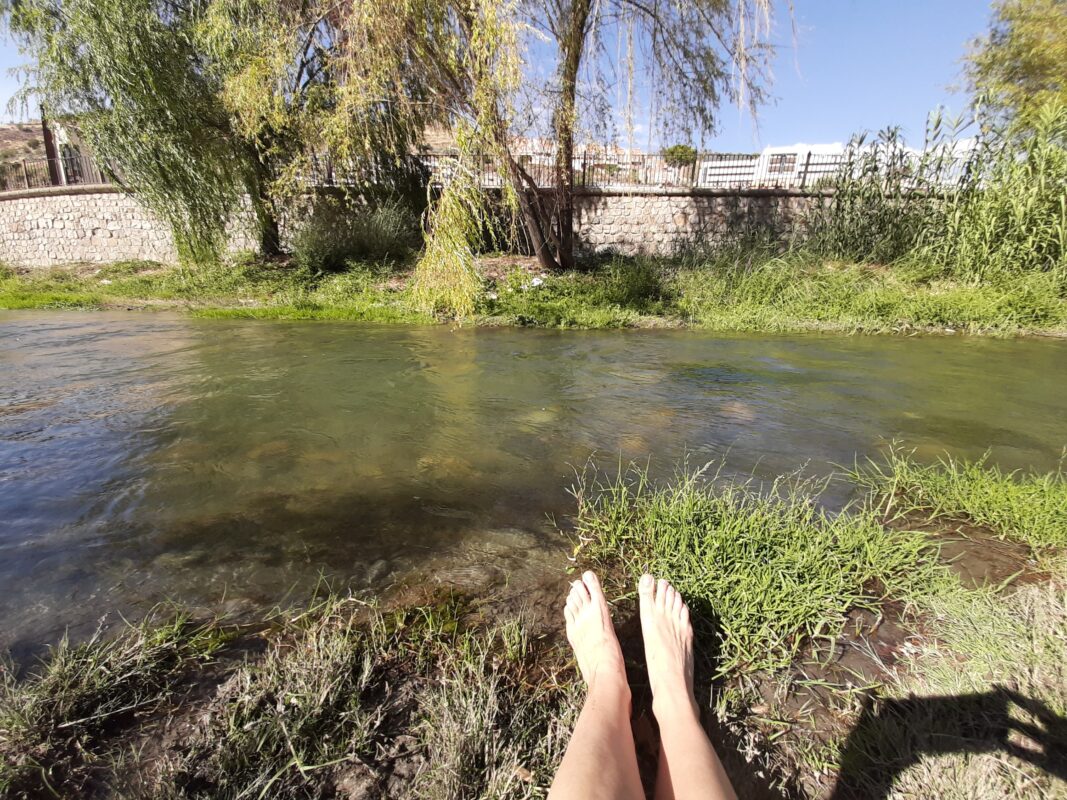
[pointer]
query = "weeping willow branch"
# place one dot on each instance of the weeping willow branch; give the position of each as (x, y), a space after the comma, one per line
(129, 77)
(446, 276)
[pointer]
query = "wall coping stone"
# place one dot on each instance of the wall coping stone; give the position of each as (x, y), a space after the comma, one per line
(692, 191)
(52, 191)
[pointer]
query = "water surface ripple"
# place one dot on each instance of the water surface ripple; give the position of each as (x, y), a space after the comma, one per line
(229, 464)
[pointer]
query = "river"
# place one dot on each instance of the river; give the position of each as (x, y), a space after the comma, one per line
(229, 465)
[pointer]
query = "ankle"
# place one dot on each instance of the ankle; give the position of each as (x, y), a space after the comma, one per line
(610, 684)
(675, 709)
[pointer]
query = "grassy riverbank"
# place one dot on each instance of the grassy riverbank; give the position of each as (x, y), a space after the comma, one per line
(745, 291)
(854, 650)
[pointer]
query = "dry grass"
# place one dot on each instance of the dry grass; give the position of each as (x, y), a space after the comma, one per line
(978, 708)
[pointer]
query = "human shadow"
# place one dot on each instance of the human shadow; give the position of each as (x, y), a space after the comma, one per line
(892, 735)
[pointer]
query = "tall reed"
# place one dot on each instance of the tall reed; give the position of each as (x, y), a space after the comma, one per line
(977, 203)
(1010, 215)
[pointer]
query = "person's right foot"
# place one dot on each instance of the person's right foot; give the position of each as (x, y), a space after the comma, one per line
(668, 637)
(592, 635)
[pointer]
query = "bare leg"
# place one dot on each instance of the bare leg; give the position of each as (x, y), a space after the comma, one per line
(688, 765)
(600, 761)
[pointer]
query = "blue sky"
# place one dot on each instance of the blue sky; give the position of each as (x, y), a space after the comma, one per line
(860, 65)
(856, 64)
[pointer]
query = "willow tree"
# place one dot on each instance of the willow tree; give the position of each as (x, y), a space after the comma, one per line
(128, 73)
(695, 53)
(448, 62)
(197, 105)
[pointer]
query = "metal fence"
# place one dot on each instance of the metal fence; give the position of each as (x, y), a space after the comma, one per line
(619, 170)
(35, 173)
(595, 169)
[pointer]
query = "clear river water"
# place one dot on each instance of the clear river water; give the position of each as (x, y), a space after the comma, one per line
(228, 465)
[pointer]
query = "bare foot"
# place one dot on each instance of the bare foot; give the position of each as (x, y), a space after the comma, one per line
(591, 634)
(668, 639)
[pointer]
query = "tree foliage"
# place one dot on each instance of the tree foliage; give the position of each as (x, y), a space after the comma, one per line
(680, 155)
(1020, 66)
(696, 53)
(130, 73)
(196, 105)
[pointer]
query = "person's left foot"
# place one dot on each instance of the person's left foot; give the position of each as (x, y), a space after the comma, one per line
(668, 636)
(592, 635)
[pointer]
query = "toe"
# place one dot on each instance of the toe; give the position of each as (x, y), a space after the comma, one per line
(661, 593)
(568, 614)
(646, 591)
(580, 593)
(670, 596)
(592, 585)
(679, 604)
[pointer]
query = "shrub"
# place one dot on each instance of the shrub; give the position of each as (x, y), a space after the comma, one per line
(337, 230)
(679, 155)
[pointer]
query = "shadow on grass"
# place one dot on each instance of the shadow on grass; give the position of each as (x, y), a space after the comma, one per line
(892, 735)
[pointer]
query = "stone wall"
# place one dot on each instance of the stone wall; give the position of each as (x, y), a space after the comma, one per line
(662, 221)
(96, 224)
(91, 224)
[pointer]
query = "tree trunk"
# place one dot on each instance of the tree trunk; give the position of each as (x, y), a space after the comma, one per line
(572, 46)
(264, 207)
(534, 219)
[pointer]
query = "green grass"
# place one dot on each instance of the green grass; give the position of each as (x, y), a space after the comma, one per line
(243, 288)
(1026, 507)
(741, 290)
(766, 566)
(772, 577)
(619, 293)
(797, 292)
(755, 290)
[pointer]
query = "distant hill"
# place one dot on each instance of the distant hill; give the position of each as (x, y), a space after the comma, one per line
(21, 140)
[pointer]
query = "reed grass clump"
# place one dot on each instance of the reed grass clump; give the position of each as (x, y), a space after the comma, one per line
(1010, 217)
(883, 196)
(983, 209)
(1027, 507)
(766, 568)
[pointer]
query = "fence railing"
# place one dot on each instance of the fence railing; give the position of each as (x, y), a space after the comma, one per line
(36, 173)
(598, 170)
(801, 170)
